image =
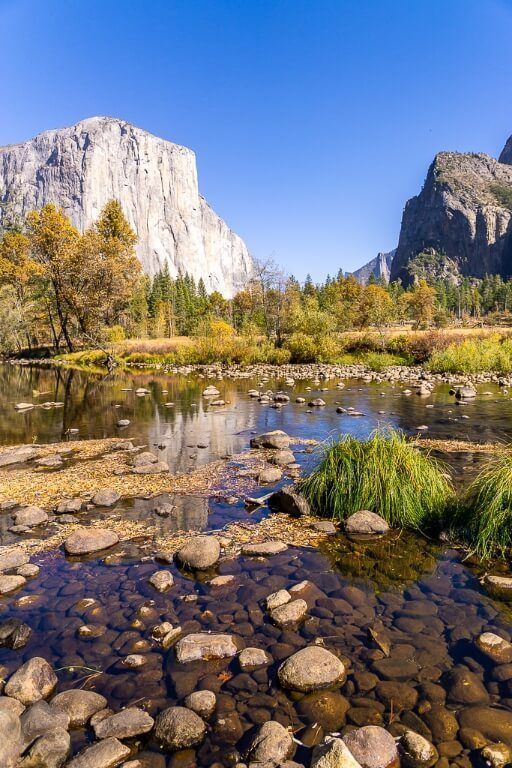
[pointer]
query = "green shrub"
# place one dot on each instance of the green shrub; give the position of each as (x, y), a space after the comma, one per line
(485, 517)
(503, 194)
(492, 353)
(385, 474)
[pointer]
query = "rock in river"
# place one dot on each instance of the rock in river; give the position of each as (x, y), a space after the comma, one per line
(264, 549)
(333, 754)
(105, 498)
(104, 754)
(87, 540)
(161, 580)
(373, 747)
(30, 516)
(199, 553)
(202, 703)
(365, 522)
(276, 439)
(10, 583)
(14, 558)
(33, 681)
(79, 705)
(179, 728)
(417, 752)
(14, 633)
(464, 687)
(289, 501)
(202, 645)
(494, 724)
(311, 669)
(495, 647)
(39, 719)
(289, 615)
(272, 745)
(130, 722)
(10, 739)
(49, 750)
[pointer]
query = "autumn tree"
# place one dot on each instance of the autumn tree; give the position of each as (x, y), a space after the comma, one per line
(421, 301)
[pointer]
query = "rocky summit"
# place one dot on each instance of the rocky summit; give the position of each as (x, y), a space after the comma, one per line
(81, 167)
(459, 224)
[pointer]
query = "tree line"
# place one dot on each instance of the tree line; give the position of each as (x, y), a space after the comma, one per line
(64, 289)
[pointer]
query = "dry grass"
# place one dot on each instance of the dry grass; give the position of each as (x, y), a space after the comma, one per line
(161, 346)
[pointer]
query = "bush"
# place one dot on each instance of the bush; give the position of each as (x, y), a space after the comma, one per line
(385, 474)
(485, 518)
(492, 353)
(304, 348)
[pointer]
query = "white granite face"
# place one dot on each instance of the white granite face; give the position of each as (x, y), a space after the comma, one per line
(82, 167)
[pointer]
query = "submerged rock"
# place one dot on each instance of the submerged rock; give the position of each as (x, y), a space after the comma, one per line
(202, 703)
(14, 633)
(494, 724)
(311, 669)
(161, 580)
(264, 549)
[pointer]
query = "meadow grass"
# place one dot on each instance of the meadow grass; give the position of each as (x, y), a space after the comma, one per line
(385, 474)
(474, 355)
(484, 519)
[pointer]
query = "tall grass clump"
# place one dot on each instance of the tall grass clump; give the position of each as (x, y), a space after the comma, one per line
(385, 474)
(479, 355)
(485, 517)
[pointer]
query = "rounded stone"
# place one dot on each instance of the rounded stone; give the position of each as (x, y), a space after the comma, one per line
(416, 751)
(311, 669)
(179, 728)
(199, 553)
(87, 540)
(373, 747)
(202, 703)
(366, 523)
(33, 681)
(79, 705)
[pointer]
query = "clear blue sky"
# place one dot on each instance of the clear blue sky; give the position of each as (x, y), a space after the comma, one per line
(313, 120)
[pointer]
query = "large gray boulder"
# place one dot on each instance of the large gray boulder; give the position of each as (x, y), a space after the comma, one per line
(33, 681)
(373, 747)
(291, 502)
(203, 646)
(311, 669)
(30, 516)
(10, 739)
(13, 558)
(40, 719)
(199, 553)
(48, 751)
(84, 541)
(130, 722)
(272, 745)
(179, 728)
(366, 523)
(104, 754)
(275, 439)
(79, 705)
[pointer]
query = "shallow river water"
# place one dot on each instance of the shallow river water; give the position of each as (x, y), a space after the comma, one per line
(425, 605)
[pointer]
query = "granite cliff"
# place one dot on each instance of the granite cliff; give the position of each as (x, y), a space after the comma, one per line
(379, 267)
(81, 167)
(461, 220)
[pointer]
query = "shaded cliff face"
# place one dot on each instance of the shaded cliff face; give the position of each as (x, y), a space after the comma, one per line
(463, 214)
(82, 167)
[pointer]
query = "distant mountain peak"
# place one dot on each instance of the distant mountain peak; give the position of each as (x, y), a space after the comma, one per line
(379, 267)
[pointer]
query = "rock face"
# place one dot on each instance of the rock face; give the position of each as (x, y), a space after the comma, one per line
(379, 267)
(463, 213)
(82, 167)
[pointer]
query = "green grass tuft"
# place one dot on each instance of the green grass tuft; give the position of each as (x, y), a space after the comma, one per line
(385, 474)
(485, 517)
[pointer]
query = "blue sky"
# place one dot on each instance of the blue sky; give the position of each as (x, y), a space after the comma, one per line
(313, 121)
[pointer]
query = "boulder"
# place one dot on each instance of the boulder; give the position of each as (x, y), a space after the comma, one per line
(272, 745)
(104, 754)
(495, 647)
(328, 709)
(275, 439)
(30, 516)
(276, 599)
(289, 615)
(317, 402)
(87, 540)
(11, 705)
(202, 703)
(10, 583)
(270, 475)
(264, 549)
(465, 393)
(14, 633)
(33, 681)
(291, 502)
(10, 739)
(464, 687)
(282, 457)
(49, 750)
(373, 747)
(311, 669)
(416, 751)
(40, 719)
(105, 498)
(179, 728)
(161, 580)
(253, 657)
(199, 553)
(79, 705)
(18, 455)
(156, 468)
(333, 753)
(365, 522)
(205, 646)
(493, 724)
(69, 506)
(13, 558)
(125, 724)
